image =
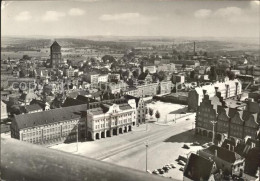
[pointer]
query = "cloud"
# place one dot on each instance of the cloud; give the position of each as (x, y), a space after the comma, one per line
(52, 16)
(255, 5)
(76, 12)
(23, 16)
(127, 18)
(203, 13)
(228, 12)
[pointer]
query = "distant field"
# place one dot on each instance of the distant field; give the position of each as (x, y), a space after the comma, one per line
(5, 55)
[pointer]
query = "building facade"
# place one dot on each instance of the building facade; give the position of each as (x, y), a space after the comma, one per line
(235, 123)
(111, 119)
(4, 114)
(49, 127)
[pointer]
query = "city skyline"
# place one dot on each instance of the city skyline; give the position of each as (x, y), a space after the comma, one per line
(125, 18)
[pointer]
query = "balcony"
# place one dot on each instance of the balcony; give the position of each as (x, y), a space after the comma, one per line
(24, 161)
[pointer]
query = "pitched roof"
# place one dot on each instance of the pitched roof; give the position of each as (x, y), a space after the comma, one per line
(198, 167)
(32, 107)
(55, 44)
(252, 161)
(223, 153)
(49, 117)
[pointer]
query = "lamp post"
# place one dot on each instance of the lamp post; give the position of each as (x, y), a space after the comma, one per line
(77, 135)
(146, 155)
(213, 136)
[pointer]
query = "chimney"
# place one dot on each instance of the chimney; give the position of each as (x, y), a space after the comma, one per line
(204, 92)
(227, 87)
(236, 88)
(228, 147)
(194, 47)
(216, 90)
(216, 153)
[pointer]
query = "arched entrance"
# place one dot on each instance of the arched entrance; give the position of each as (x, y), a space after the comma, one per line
(102, 134)
(133, 123)
(108, 133)
(97, 135)
(205, 133)
(125, 130)
(121, 130)
(114, 131)
(129, 128)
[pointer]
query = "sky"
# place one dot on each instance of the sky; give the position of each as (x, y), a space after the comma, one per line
(179, 18)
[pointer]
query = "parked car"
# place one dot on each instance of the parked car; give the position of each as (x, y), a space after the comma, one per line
(165, 168)
(181, 169)
(160, 170)
(148, 171)
(186, 146)
(196, 143)
(181, 162)
(172, 165)
(156, 172)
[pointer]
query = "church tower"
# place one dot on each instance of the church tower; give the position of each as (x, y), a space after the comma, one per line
(55, 55)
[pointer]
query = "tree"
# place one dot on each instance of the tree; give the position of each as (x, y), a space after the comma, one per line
(212, 73)
(26, 57)
(231, 75)
(151, 112)
(108, 58)
(157, 115)
(183, 66)
(161, 75)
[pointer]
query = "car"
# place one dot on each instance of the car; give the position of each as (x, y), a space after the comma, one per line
(165, 168)
(181, 169)
(196, 143)
(148, 171)
(187, 119)
(161, 171)
(204, 145)
(186, 146)
(181, 162)
(172, 165)
(156, 172)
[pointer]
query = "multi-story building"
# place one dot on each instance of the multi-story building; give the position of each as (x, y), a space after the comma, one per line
(228, 89)
(165, 87)
(140, 108)
(103, 78)
(111, 119)
(230, 121)
(70, 72)
(150, 68)
(52, 126)
(56, 59)
(113, 77)
(166, 67)
(228, 161)
(4, 114)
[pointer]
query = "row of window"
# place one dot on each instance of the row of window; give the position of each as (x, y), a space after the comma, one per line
(112, 124)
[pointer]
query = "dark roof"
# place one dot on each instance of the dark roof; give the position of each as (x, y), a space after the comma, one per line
(72, 102)
(223, 153)
(124, 106)
(49, 117)
(133, 97)
(32, 107)
(252, 161)
(55, 44)
(198, 167)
